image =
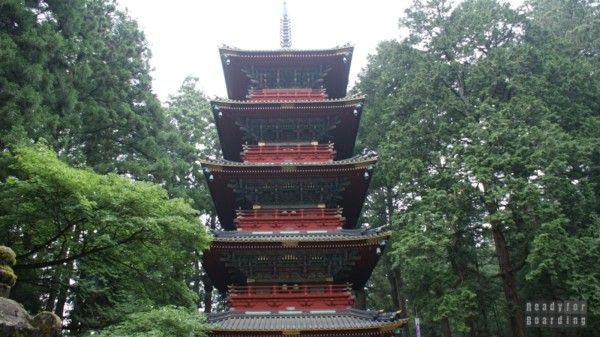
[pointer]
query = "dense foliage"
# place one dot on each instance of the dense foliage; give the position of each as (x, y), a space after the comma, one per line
(94, 246)
(163, 322)
(487, 120)
(76, 73)
(104, 244)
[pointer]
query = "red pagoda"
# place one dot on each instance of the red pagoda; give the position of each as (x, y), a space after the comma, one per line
(291, 256)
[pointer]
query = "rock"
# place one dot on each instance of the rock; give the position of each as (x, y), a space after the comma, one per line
(7, 256)
(48, 324)
(15, 321)
(4, 290)
(7, 275)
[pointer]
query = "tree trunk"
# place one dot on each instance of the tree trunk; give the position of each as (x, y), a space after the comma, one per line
(389, 204)
(60, 286)
(508, 281)
(208, 290)
(509, 285)
(459, 266)
(360, 299)
(446, 332)
(394, 276)
(62, 300)
(473, 331)
(212, 224)
(397, 286)
(391, 277)
(483, 309)
(54, 289)
(198, 284)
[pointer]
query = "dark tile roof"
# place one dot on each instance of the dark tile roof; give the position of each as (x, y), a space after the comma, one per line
(304, 320)
(309, 235)
(364, 159)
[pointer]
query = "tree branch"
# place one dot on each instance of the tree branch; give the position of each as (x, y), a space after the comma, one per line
(79, 255)
(49, 241)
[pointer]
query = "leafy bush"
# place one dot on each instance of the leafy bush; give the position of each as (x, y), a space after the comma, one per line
(162, 322)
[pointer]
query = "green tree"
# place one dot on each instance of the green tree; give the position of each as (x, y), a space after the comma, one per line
(30, 49)
(105, 244)
(486, 125)
(77, 74)
(190, 114)
(118, 122)
(162, 322)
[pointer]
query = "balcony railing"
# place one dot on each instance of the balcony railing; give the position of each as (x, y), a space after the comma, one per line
(288, 152)
(287, 94)
(289, 219)
(296, 296)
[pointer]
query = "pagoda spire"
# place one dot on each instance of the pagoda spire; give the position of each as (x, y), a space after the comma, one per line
(285, 30)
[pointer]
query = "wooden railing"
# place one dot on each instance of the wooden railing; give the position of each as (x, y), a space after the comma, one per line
(288, 94)
(297, 296)
(287, 152)
(294, 219)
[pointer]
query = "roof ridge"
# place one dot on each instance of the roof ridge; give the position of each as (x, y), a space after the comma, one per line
(308, 238)
(326, 100)
(239, 321)
(224, 47)
(368, 158)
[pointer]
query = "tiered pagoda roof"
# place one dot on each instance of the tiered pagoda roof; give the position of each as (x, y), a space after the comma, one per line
(325, 121)
(322, 68)
(290, 255)
(338, 256)
(322, 323)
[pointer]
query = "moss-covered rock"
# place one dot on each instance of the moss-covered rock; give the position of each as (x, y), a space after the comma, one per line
(48, 324)
(4, 290)
(8, 278)
(7, 256)
(15, 321)
(7, 275)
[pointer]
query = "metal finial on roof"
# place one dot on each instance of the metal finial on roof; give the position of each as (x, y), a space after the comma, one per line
(285, 32)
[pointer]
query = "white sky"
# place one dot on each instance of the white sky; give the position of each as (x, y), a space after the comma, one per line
(184, 34)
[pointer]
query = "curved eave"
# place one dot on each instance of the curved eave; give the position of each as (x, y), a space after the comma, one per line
(358, 162)
(233, 51)
(386, 327)
(237, 82)
(227, 113)
(362, 254)
(347, 100)
(302, 238)
(301, 243)
(351, 320)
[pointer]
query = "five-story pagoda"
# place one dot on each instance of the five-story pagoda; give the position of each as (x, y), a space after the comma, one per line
(288, 195)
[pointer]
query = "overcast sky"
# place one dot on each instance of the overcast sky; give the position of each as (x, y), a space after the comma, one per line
(184, 34)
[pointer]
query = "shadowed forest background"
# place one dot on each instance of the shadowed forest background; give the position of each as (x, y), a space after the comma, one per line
(486, 119)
